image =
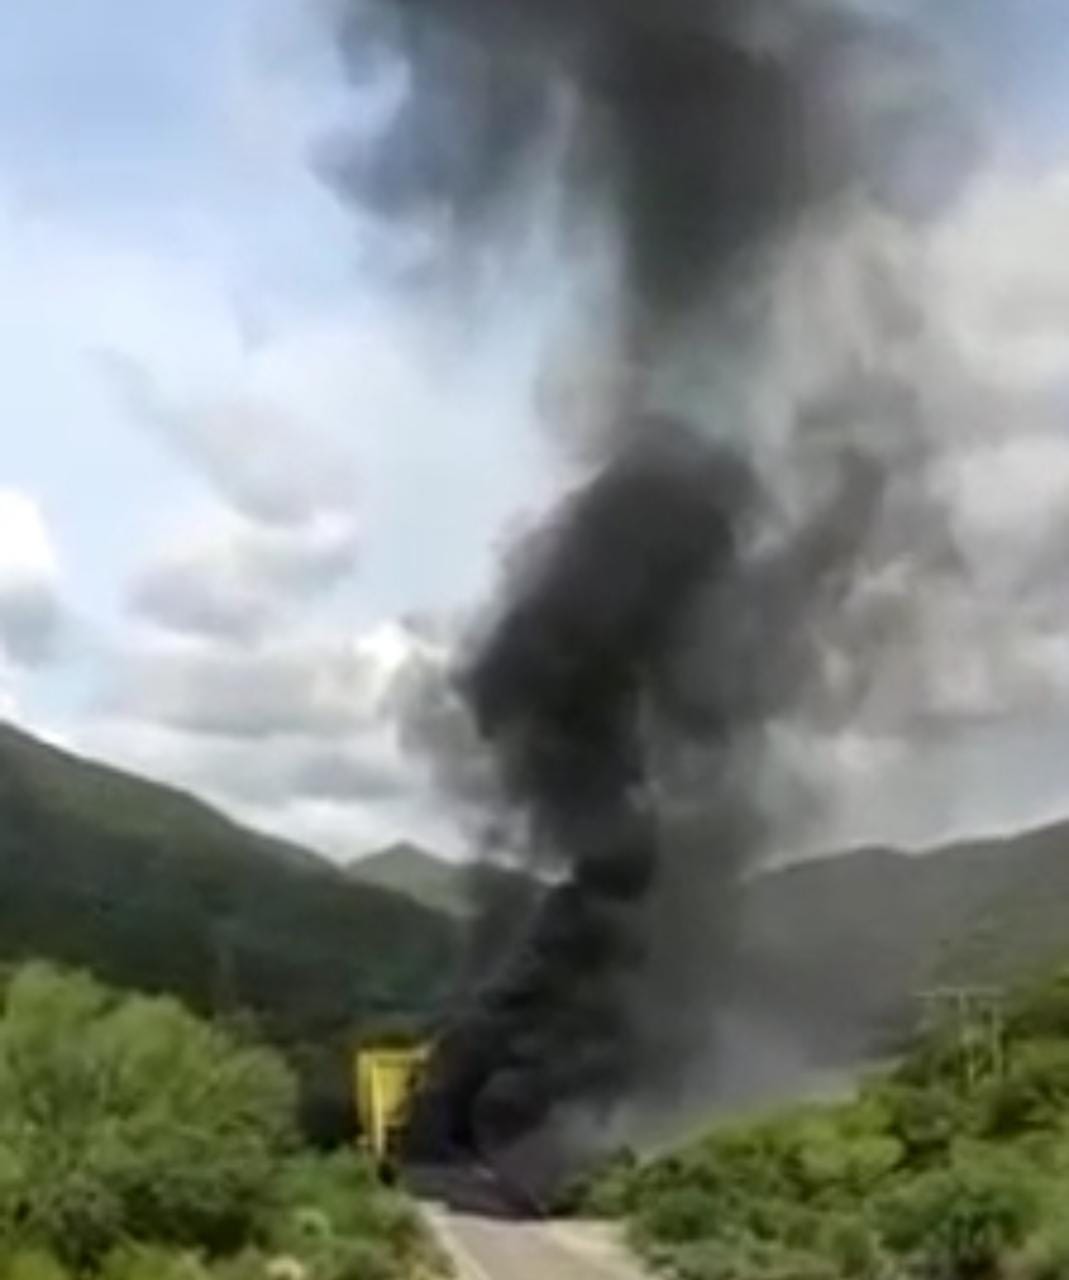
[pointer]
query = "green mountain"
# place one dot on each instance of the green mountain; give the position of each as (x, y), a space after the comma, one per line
(406, 868)
(846, 946)
(149, 887)
(840, 949)
(489, 904)
(490, 901)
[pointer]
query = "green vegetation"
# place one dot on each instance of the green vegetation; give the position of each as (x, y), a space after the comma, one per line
(839, 946)
(421, 876)
(151, 889)
(953, 1166)
(836, 947)
(138, 1142)
(455, 889)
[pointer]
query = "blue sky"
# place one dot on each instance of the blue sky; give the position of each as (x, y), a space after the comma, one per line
(197, 370)
(235, 461)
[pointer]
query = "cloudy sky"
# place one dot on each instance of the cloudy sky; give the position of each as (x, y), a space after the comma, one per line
(244, 478)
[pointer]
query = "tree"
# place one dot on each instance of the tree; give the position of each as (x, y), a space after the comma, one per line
(127, 1117)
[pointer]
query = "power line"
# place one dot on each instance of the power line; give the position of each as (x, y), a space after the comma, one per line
(974, 1015)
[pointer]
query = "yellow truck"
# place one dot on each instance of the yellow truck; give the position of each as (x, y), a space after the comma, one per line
(387, 1079)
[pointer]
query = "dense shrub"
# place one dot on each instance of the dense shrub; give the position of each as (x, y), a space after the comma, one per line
(32, 1264)
(149, 1262)
(345, 1225)
(1040, 1010)
(603, 1190)
(129, 1117)
(952, 1166)
(1033, 1092)
(924, 1120)
(680, 1215)
(138, 1142)
(959, 1222)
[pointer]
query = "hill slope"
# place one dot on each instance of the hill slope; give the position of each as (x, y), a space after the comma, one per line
(405, 868)
(151, 888)
(843, 945)
(836, 949)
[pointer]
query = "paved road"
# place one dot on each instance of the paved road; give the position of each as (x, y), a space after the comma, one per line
(479, 1228)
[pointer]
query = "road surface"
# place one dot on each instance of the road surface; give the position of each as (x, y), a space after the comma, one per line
(486, 1239)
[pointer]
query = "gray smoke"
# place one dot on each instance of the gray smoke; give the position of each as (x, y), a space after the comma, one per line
(695, 127)
(677, 605)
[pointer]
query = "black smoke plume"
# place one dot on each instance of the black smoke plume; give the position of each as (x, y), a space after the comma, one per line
(694, 126)
(672, 608)
(647, 639)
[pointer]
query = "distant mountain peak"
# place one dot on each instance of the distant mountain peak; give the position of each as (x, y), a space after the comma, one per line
(412, 870)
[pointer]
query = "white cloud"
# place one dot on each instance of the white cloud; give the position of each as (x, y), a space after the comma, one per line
(29, 581)
(320, 685)
(241, 577)
(300, 738)
(255, 451)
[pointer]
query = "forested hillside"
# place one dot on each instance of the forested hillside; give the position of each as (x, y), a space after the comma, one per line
(953, 1166)
(842, 946)
(152, 889)
(836, 949)
(408, 869)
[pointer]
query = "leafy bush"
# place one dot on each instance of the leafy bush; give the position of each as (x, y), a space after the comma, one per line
(924, 1120)
(129, 1117)
(146, 1262)
(138, 1142)
(853, 1246)
(32, 1264)
(680, 1215)
(953, 1166)
(1032, 1094)
(744, 1259)
(603, 1190)
(345, 1225)
(1040, 1009)
(1045, 1254)
(959, 1222)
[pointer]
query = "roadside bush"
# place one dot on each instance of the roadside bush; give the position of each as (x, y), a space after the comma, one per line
(604, 1190)
(924, 1120)
(130, 1118)
(836, 1155)
(849, 1241)
(147, 1262)
(138, 1142)
(32, 1264)
(681, 1214)
(959, 1222)
(345, 1225)
(741, 1260)
(1040, 1009)
(1045, 1254)
(1032, 1094)
(952, 1166)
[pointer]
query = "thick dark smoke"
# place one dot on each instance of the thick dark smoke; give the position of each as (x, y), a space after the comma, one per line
(560, 691)
(650, 638)
(673, 608)
(694, 126)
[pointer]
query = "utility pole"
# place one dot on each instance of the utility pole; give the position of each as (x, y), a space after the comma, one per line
(974, 1015)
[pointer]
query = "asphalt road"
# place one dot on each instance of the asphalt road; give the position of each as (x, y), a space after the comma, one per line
(489, 1238)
